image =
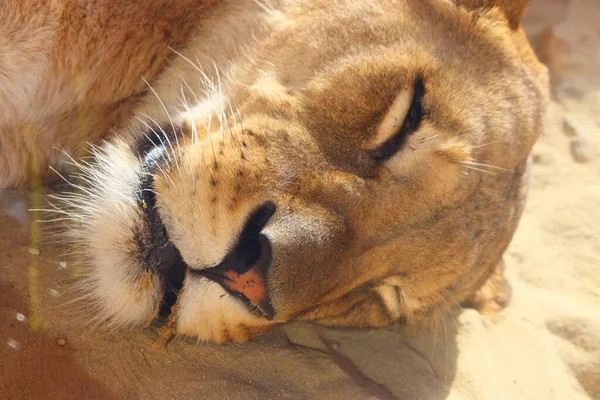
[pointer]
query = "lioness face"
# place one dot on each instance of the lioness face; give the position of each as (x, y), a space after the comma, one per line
(363, 164)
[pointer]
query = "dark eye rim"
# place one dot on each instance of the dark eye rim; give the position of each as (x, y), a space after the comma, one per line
(412, 122)
(155, 137)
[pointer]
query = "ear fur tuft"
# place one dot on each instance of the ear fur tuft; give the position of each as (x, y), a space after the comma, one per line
(512, 9)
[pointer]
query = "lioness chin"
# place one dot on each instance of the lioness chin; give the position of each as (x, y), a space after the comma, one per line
(352, 163)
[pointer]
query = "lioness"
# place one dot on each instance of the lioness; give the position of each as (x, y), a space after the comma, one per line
(352, 163)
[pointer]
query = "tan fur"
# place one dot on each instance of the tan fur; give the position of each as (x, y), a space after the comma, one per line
(71, 70)
(283, 101)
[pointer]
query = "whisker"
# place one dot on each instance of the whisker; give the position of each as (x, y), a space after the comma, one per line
(191, 91)
(445, 350)
(485, 144)
(195, 135)
(158, 136)
(235, 122)
(168, 144)
(268, 10)
(434, 335)
(222, 113)
(168, 116)
(488, 166)
(241, 119)
(479, 169)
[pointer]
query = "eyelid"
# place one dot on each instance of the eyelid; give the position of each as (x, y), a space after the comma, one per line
(411, 122)
(394, 118)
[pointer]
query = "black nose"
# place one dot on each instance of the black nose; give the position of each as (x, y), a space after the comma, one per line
(250, 247)
(243, 271)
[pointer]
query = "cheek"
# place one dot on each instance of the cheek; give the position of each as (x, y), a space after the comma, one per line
(428, 171)
(436, 181)
(411, 188)
(309, 246)
(432, 165)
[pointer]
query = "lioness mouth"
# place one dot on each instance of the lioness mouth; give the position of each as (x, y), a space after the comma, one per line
(246, 283)
(242, 273)
(158, 254)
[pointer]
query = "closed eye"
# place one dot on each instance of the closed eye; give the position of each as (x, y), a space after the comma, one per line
(411, 123)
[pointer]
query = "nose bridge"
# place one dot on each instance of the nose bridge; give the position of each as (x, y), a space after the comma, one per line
(217, 185)
(232, 166)
(243, 271)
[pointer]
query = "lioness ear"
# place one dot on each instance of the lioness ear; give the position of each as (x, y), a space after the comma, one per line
(512, 9)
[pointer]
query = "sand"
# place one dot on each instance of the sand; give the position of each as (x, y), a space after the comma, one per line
(545, 345)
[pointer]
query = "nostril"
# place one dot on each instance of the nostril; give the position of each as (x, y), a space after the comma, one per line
(245, 278)
(258, 219)
(244, 270)
(249, 253)
(252, 245)
(255, 254)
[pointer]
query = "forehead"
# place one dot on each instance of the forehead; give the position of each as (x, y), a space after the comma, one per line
(377, 45)
(344, 62)
(320, 32)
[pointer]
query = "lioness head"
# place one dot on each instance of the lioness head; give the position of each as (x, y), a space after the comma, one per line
(354, 164)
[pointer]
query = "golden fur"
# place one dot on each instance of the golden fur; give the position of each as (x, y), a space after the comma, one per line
(283, 102)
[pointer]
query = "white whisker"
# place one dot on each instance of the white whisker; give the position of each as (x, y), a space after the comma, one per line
(488, 166)
(479, 169)
(158, 137)
(485, 144)
(268, 10)
(170, 120)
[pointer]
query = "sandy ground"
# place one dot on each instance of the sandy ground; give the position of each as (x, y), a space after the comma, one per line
(545, 345)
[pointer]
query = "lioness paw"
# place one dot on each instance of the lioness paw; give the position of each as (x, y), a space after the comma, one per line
(494, 295)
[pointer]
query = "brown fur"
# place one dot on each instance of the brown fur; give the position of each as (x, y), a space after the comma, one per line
(72, 70)
(355, 242)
